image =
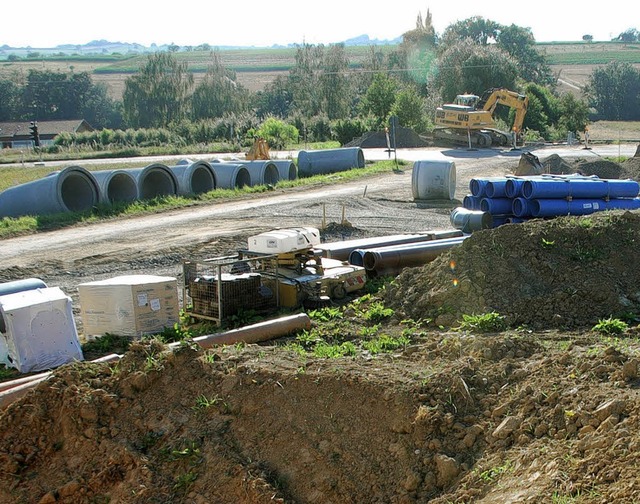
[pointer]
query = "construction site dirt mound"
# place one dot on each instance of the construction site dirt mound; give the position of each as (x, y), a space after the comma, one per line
(565, 272)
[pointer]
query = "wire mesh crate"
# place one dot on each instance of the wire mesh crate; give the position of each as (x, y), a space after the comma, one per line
(219, 288)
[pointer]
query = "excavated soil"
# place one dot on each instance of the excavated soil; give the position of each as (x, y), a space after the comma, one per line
(545, 410)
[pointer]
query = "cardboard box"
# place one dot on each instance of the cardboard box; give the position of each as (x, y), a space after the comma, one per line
(131, 305)
(40, 332)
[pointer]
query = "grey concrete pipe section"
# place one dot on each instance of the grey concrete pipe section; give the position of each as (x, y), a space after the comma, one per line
(341, 250)
(391, 260)
(194, 177)
(231, 175)
(287, 169)
(262, 172)
(116, 186)
(72, 189)
(329, 160)
(469, 221)
(19, 286)
(155, 180)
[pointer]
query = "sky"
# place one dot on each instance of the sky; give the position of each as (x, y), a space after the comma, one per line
(45, 24)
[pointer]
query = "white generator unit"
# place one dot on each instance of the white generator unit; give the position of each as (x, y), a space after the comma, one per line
(284, 241)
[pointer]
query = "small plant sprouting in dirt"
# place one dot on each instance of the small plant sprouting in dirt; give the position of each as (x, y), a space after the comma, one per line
(325, 314)
(377, 312)
(385, 343)
(483, 323)
(203, 402)
(585, 254)
(324, 350)
(107, 343)
(174, 334)
(374, 285)
(548, 243)
(368, 332)
(7, 373)
(183, 481)
(610, 326)
(493, 473)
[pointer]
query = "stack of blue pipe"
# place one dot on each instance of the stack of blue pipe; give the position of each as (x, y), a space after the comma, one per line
(515, 199)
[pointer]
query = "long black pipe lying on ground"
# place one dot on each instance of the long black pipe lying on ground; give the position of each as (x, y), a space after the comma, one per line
(391, 260)
(342, 249)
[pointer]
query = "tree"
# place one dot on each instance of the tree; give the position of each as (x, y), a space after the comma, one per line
(465, 67)
(630, 35)
(276, 99)
(587, 38)
(574, 113)
(334, 85)
(9, 100)
(520, 44)
(218, 94)
(277, 133)
(516, 41)
(410, 111)
(51, 95)
(614, 91)
(158, 94)
(379, 98)
(476, 29)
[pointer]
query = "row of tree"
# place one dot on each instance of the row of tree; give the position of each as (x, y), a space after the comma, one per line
(324, 98)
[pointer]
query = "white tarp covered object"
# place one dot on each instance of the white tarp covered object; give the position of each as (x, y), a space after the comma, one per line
(40, 332)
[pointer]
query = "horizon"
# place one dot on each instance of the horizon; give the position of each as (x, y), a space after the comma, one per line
(285, 23)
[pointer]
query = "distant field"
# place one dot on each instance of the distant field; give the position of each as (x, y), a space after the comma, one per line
(573, 63)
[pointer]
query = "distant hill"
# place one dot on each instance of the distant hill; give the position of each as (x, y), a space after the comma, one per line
(102, 47)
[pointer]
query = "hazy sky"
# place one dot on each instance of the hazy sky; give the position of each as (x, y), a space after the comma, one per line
(40, 24)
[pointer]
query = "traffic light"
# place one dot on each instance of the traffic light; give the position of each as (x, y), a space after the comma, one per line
(35, 136)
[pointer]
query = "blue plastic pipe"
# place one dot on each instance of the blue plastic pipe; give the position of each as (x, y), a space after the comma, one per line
(496, 206)
(496, 188)
(557, 207)
(579, 188)
(522, 207)
(471, 202)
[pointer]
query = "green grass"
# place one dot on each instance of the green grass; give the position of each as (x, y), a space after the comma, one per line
(483, 323)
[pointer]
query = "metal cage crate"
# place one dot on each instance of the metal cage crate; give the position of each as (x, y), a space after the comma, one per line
(219, 288)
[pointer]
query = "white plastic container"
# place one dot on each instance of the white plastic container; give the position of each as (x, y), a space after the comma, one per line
(40, 330)
(433, 180)
(282, 241)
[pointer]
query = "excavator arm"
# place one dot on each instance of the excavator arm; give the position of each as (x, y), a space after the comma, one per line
(500, 96)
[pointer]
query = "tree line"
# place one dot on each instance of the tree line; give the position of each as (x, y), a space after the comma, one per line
(323, 97)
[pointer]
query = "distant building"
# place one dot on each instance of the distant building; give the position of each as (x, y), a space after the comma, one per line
(17, 135)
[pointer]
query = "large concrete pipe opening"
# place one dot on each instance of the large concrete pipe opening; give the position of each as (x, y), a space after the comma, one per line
(155, 180)
(231, 175)
(329, 160)
(194, 177)
(263, 172)
(116, 186)
(287, 169)
(72, 189)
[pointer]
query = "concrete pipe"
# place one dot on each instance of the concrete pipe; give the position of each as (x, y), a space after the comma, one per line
(116, 186)
(287, 169)
(72, 189)
(231, 175)
(194, 177)
(255, 333)
(469, 221)
(19, 286)
(155, 180)
(329, 160)
(263, 172)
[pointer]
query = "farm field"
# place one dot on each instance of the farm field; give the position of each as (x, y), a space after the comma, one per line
(257, 67)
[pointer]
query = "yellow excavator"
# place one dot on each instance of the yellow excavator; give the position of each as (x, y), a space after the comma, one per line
(470, 119)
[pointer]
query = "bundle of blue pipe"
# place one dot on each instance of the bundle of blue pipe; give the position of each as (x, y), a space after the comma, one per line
(515, 199)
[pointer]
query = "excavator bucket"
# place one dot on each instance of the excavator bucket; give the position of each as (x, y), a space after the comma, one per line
(529, 165)
(259, 150)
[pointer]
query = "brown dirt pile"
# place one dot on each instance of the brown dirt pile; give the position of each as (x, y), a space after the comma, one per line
(564, 272)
